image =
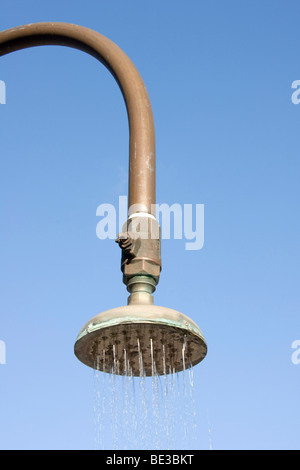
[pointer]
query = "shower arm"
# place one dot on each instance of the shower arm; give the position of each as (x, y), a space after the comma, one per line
(141, 260)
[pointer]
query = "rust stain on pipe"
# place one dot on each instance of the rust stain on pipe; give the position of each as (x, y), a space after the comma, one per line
(140, 116)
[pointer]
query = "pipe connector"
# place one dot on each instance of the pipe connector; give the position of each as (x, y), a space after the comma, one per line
(140, 242)
(141, 289)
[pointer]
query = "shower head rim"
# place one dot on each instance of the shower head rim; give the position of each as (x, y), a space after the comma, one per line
(149, 316)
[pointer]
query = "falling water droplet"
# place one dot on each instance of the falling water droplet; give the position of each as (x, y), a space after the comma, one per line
(209, 433)
(166, 400)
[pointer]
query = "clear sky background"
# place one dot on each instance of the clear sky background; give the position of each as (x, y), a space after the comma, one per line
(219, 76)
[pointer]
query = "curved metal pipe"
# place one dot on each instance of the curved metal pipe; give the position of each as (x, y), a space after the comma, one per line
(155, 339)
(140, 117)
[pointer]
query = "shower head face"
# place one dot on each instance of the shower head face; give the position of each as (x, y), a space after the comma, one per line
(140, 340)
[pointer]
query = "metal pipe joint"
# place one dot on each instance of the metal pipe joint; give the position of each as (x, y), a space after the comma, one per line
(140, 242)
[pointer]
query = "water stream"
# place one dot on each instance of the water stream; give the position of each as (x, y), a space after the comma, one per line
(133, 413)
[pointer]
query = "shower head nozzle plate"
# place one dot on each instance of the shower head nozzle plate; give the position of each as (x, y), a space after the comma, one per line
(140, 340)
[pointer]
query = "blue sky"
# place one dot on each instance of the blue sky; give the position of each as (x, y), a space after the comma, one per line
(219, 76)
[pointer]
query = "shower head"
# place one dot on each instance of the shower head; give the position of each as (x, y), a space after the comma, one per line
(140, 340)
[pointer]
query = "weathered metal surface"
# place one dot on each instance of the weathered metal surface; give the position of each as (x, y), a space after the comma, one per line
(141, 248)
(140, 340)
